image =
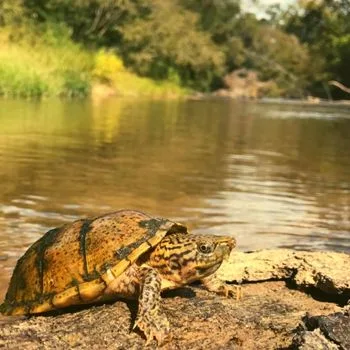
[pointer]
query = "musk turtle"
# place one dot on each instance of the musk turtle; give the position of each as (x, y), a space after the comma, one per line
(121, 254)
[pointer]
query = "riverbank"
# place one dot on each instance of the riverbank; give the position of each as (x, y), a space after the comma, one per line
(54, 66)
(290, 300)
(51, 64)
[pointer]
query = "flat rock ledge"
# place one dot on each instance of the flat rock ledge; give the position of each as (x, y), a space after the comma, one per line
(291, 300)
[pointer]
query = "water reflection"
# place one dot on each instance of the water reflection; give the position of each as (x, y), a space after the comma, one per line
(271, 175)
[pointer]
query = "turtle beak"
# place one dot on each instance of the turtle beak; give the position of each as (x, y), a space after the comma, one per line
(226, 244)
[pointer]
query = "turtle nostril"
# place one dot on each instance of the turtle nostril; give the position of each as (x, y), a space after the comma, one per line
(231, 243)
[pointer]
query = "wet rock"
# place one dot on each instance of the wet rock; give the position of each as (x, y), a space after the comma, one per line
(267, 317)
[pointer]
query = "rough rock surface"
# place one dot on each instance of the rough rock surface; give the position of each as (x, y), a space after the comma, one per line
(332, 332)
(269, 316)
(327, 272)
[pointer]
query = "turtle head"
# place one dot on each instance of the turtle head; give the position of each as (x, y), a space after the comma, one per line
(184, 258)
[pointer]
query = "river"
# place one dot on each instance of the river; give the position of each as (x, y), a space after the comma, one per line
(272, 175)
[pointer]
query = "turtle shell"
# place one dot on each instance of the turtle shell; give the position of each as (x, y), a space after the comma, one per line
(74, 264)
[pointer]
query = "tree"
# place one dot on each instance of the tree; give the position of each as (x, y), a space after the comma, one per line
(92, 21)
(280, 57)
(173, 47)
(325, 27)
(217, 17)
(11, 11)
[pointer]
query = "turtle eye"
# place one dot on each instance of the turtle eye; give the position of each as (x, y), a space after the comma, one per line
(205, 248)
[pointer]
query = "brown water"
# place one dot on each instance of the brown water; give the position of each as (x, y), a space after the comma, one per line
(271, 175)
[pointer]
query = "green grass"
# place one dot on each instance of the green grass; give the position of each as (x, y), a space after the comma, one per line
(17, 80)
(38, 69)
(129, 84)
(53, 65)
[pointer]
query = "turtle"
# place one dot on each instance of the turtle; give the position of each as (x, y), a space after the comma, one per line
(123, 254)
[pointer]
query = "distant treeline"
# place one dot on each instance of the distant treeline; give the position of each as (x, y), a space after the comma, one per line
(195, 43)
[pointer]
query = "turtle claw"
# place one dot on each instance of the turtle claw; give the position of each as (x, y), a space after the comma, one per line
(214, 284)
(158, 329)
(159, 336)
(233, 291)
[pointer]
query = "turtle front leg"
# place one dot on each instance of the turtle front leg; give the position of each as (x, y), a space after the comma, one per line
(150, 319)
(214, 284)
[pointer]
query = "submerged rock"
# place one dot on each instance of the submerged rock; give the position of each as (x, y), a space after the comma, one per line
(275, 311)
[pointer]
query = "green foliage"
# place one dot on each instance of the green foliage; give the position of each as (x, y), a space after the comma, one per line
(94, 21)
(324, 27)
(217, 17)
(164, 49)
(11, 11)
(280, 57)
(129, 84)
(75, 84)
(109, 68)
(107, 65)
(62, 45)
(15, 80)
(36, 66)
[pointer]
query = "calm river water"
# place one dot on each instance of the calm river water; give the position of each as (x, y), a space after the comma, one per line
(271, 175)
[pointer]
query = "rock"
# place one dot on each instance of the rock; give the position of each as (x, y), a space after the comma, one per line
(326, 271)
(267, 317)
(263, 319)
(314, 340)
(245, 83)
(326, 332)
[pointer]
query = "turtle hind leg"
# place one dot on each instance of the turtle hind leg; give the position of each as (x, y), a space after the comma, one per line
(150, 319)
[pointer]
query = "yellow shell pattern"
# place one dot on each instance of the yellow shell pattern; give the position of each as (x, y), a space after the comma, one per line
(74, 264)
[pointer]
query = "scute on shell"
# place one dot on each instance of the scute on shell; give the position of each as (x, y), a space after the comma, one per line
(74, 263)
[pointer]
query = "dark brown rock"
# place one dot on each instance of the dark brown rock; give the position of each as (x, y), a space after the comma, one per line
(331, 331)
